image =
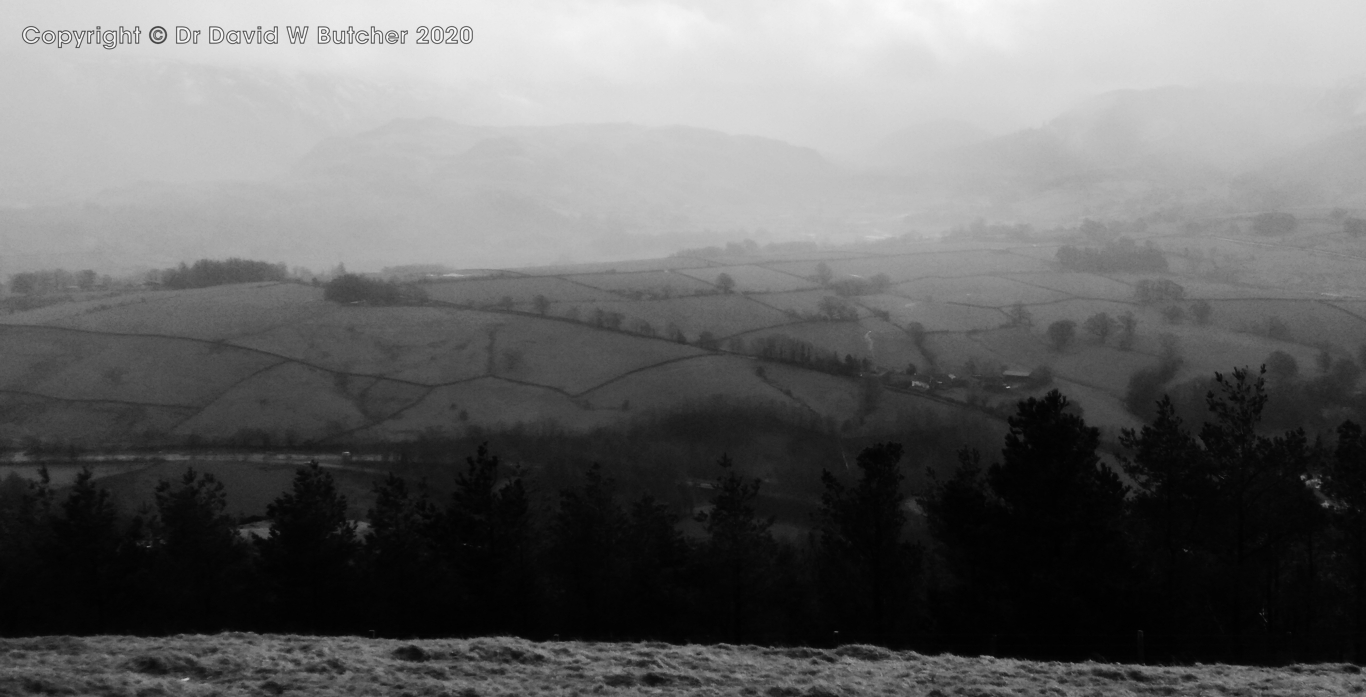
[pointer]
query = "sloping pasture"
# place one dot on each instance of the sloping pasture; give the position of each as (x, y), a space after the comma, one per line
(522, 290)
(1099, 407)
(573, 357)
(214, 314)
(423, 344)
(1213, 290)
(669, 386)
(289, 399)
(490, 403)
(828, 395)
(722, 315)
(751, 278)
(798, 301)
(378, 398)
(148, 370)
(84, 422)
(670, 283)
(617, 266)
(936, 316)
(1079, 285)
(1105, 368)
(1309, 321)
(1205, 352)
(982, 291)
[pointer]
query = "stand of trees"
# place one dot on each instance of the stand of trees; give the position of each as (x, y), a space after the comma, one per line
(1233, 543)
(212, 272)
(56, 281)
(787, 349)
(354, 288)
(1121, 255)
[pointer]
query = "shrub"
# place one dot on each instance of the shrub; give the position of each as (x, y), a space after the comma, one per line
(1061, 333)
(1159, 291)
(1100, 325)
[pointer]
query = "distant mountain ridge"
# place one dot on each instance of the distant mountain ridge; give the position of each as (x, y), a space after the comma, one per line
(320, 174)
(468, 195)
(76, 126)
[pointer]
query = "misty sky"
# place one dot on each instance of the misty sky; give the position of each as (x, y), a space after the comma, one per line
(835, 75)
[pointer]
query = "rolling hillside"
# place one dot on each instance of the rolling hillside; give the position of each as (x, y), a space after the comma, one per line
(275, 363)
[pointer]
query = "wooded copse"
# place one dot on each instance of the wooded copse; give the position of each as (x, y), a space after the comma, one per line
(1232, 544)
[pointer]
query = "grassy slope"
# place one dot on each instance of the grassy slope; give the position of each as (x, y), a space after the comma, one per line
(249, 664)
(260, 355)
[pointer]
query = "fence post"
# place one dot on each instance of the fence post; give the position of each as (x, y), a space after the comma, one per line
(1140, 646)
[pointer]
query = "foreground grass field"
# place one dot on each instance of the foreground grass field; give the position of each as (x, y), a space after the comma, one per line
(249, 664)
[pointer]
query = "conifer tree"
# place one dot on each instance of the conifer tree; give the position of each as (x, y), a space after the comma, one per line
(657, 557)
(484, 534)
(25, 534)
(199, 558)
(1172, 504)
(739, 549)
(1262, 505)
(86, 544)
(309, 555)
(861, 537)
(587, 540)
(1062, 527)
(405, 579)
(1346, 485)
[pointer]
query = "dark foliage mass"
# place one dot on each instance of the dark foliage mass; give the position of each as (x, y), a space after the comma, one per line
(1121, 255)
(354, 288)
(786, 349)
(1228, 540)
(212, 272)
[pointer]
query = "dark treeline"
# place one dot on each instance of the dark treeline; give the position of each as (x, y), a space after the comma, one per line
(786, 349)
(355, 288)
(1115, 256)
(1230, 543)
(214, 272)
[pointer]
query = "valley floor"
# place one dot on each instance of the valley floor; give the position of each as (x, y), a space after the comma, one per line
(249, 664)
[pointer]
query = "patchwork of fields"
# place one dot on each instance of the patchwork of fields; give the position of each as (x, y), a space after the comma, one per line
(587, 346)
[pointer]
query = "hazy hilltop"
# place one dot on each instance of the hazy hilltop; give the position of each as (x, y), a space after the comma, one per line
(599, 178)
(911, 148)
(182, 162)
(74, 126)
(1214, 149)
(436, 189)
